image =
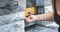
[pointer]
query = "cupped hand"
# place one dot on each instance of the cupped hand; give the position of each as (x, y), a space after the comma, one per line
(32, 18)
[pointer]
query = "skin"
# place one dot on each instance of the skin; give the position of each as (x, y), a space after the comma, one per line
(33, 18)
(58, 7)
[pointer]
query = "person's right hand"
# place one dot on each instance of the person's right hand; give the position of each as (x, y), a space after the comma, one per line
(32, 18)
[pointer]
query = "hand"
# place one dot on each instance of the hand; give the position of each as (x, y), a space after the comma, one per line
(32, 18)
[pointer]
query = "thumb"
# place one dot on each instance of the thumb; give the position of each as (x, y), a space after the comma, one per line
(30, 17)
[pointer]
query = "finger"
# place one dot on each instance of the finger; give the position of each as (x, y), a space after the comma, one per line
(30, 17)
(28, 20)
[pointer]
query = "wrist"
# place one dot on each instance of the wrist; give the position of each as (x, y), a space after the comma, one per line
(37, 17)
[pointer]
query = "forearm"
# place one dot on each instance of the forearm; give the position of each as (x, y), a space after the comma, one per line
(47, 16)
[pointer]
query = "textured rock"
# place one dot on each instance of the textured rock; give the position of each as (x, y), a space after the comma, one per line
(13, 27)
(12, 15)
(11, 6)
(41, 29)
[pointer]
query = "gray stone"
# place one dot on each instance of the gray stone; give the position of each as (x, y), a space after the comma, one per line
(12, 15)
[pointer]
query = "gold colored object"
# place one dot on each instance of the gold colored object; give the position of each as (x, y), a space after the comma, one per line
(30, 11)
